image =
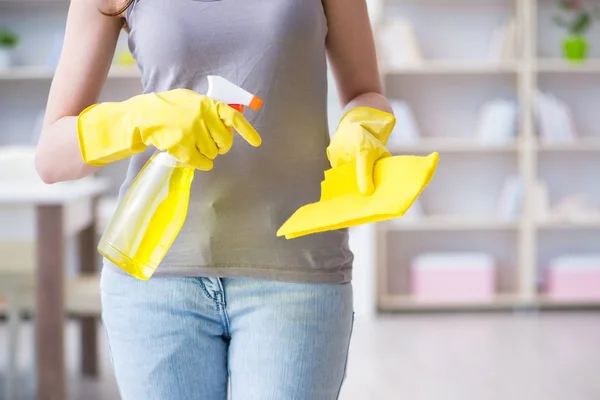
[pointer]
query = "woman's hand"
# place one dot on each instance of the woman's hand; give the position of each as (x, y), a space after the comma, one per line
(360, 139)
(191, 127)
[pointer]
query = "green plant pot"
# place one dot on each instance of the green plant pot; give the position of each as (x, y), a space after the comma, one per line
(575, 48)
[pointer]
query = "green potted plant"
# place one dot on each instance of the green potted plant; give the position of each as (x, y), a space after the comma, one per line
(577, 19)
(8, 41)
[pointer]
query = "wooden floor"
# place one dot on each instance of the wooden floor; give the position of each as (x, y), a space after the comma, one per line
(435, 357)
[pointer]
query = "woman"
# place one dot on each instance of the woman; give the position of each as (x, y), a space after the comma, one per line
(231, 303)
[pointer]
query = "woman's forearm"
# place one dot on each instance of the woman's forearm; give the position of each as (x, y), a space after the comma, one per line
(87, 53)
(58, 156)
(352, 55)
(371, 99)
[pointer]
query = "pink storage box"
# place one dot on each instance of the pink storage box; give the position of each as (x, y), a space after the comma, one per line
(574, 278)
(453, 277)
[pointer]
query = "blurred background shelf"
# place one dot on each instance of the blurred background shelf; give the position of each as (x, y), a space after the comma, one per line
(409, 303)
(589, 144)
(548, 302)
(453, 145)
(561, 66)
(453, 67)
(498, 303)
(452, 224)
(592, 223)
(41, 73)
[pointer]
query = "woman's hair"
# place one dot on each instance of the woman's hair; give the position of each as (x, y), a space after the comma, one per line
(119, 10)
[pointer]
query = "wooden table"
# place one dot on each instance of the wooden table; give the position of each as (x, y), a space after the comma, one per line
(62, 210)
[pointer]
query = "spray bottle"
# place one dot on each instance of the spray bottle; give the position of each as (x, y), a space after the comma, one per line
(153, 210)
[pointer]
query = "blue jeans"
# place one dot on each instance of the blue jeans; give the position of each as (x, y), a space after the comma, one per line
(189, 338)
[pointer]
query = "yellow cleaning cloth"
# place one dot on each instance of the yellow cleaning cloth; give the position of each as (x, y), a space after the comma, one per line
(398, 182)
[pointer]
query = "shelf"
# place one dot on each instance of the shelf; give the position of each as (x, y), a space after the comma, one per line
(549, 302)
(26, 73)
(453, 145)
(452, 224)
(42, 73)
(562, 66)
(579, 145)
(592, 223)
(452, 67)
(409, 303)
(405, 303)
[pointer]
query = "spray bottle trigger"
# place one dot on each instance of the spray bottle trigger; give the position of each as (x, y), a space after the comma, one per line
(238, 107)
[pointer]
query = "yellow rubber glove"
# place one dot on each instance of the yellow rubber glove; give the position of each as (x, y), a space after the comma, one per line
(191, 127)
(360, 138)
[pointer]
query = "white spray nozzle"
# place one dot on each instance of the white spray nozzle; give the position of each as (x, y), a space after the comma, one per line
(221, 89)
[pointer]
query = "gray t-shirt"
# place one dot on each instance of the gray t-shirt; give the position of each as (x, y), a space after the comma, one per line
(275, 49)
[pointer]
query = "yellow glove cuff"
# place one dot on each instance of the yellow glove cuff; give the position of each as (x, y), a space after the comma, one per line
(377, 122)
(103, 137)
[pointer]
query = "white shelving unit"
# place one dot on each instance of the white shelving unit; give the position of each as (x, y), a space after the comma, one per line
(445, 90)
